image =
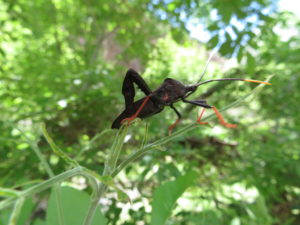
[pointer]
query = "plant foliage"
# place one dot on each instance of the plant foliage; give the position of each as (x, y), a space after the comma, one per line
(62, 64)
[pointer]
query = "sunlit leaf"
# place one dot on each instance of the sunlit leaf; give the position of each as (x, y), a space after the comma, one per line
(240, 54)
(213, 41)
(250, 63)
(74, 204)
(166, 195)
(26, 211)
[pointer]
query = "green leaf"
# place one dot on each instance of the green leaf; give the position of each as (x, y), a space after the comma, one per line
(26, 211)
(226, 12)
(236, 31)
(206, 217)
(213, 41)
(240, 54)
(74, 204)
(166, 196)
(226, 49)
(4, 217)
(213, 27)
(39, 222)
(260, 210)
(228, 37)
(250, 63)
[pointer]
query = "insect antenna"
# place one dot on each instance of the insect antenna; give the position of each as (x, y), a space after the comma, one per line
(222, 79)
(232, 79)
(194, 87)
(208, 61)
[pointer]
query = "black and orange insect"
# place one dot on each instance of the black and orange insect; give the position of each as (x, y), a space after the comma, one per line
(169, 92)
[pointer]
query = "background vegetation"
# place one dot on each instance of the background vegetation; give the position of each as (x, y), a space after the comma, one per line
(63, 63)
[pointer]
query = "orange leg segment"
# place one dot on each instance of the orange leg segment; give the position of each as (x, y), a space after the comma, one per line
(172, 126)
(222, 121)
(199, 118)
(130, 119)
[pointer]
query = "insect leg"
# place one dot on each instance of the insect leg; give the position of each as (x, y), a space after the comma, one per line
(135, 115)
(128, 91)
(199, 118)
(200, 102)
(176, 122)
(220, 117)
(128, 88)
(222, 121)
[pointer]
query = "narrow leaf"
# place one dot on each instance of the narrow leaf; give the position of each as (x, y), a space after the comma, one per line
(213, 42)
(166, 196)
(74, 206)
(240, 54)
(250, 63)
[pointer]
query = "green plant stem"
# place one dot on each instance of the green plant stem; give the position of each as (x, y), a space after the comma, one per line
(48, 170)
(16, 211)
(145, 139)
(36, 181)
(92, 142)
(112, 162)
(7, 192)
(94, 197)
(44, 185)
(94, 204)
(156, 144)
(61, 218)
(37, 151)
(56, 149)
(110, 165)
(92, 209)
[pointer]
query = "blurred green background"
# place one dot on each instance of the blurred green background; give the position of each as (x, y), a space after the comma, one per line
(63, 63)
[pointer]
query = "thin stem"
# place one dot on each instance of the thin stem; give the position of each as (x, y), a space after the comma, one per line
(26, 183)
(37, 151)
(94, 204)
(90, 213)
(7, 192)
(43, 186)
(61, 218)
(67, 159)
(92, 142)
(114, 152)
(207, 63)
(145, 139)
(118, 148)
(110, 165)
(56, 149)
(49, 171)
(16, 211)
